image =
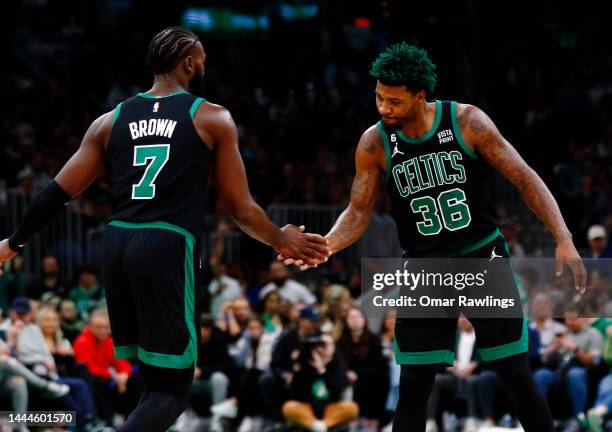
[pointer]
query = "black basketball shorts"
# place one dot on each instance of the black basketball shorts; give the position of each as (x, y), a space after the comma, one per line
(149, 275)
(432, 340)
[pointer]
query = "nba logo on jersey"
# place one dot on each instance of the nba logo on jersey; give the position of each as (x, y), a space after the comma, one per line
(393, 138)
(156, 107)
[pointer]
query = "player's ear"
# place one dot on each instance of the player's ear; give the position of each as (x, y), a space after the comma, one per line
(189, 64)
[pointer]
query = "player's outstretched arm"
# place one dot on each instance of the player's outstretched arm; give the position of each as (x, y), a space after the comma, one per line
(78, 173)
(370, 160)
(354, 220)
(231, 181)
(480, 133)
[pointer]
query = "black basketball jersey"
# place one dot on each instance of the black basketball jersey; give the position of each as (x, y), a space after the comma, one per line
(436, 184)
(157, 162)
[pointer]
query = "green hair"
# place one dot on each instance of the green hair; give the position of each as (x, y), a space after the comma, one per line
(403, 64)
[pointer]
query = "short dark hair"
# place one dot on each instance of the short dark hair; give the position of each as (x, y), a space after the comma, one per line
(403, 64)
(169, 47)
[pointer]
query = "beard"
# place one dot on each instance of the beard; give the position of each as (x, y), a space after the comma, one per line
(196, 86)
(392, 123)
(399, 122)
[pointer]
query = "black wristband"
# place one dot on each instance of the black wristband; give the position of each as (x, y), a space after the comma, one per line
(46, 205)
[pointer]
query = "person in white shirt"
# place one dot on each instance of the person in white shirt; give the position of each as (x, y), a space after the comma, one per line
(290, 291)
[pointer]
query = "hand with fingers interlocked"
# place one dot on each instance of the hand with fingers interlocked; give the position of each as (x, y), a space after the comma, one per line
(302, 264)
(305, 250)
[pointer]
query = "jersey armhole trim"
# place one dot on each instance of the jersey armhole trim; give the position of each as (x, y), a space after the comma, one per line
(457, 132)
(387, 150)
(194, 106)
(117, 111)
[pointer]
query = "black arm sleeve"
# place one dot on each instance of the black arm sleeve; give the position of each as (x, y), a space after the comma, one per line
(43, 208)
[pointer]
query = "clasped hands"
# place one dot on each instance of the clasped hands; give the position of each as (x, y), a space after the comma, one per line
(304, 250)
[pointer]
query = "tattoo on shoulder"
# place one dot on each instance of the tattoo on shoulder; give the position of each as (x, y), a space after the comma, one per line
(467, 117)
(475, 122)
(371, 142)
(370, 146)
(477, 125)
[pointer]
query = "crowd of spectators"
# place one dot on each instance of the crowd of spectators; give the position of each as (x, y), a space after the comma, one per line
(56, 351)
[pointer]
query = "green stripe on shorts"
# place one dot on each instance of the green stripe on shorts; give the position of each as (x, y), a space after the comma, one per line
(506, 350)
(155, 224)
(424, 357)
(190, 355)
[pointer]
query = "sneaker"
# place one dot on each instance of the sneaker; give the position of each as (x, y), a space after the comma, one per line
(227, 409)
(55, 390)
(596, 420)
(431, 426)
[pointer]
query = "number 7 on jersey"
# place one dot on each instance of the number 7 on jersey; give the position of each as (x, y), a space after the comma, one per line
(156, 157)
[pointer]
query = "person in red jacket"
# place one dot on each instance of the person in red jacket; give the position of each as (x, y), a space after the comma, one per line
(117, 388)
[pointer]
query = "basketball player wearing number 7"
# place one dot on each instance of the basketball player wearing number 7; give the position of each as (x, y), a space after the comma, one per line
(158, 147)
(430, 156)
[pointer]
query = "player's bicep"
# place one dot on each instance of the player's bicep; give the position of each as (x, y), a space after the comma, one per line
(83, 167)
(495, 149)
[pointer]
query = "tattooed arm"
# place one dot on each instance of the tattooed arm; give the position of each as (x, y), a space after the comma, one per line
(370, 161)
(482, 136)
